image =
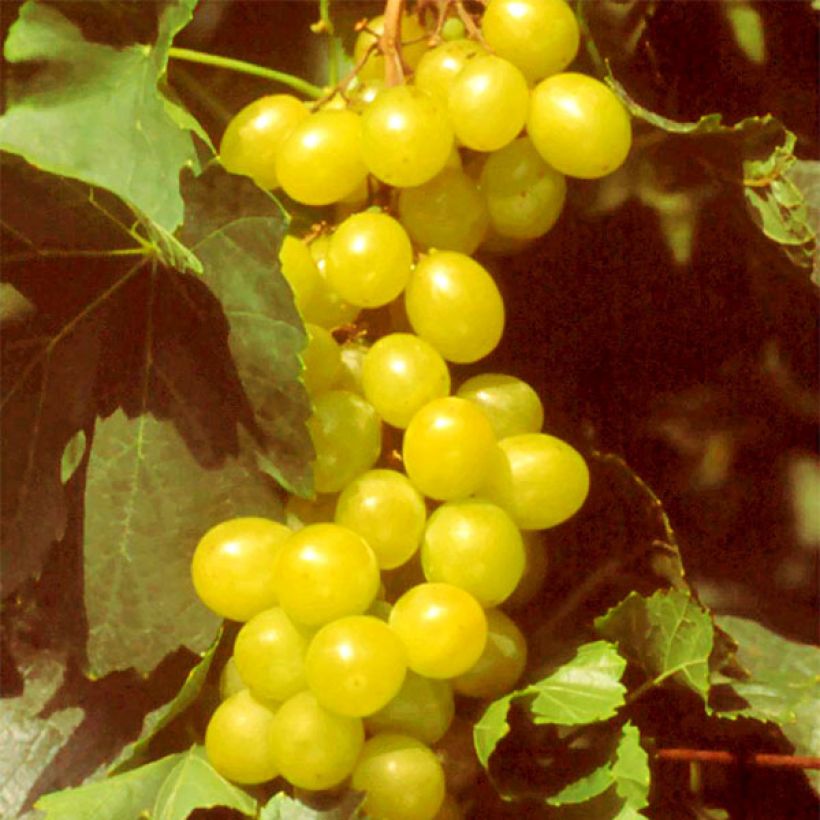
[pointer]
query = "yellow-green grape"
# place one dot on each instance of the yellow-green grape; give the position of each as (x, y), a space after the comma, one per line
(252, 139)
(400, 374)
(326, 307)
(524, 195)
(540, 37)
(299, 512)
(446, 213)
(402, 779)
(234, 566)
(353, 354)
(501, 663)
(406, 136)
(314, 748)
(413, 38)
(423, 708)
(299, 270)
(269, 653)
(488, 103)
(322, 360)
(355, 665)
(387, 511)
(535, 570)
(362, 93)
(320, 160)
(441, 65)
(579, 126)
(510, 404)
(347, 437)
(369, 259)
(239, 739)
(325, 572)
(538, 479)
(443, 628)
(448, 449)
(474, 545)
(497, 245)
(453, 303)
(230, 681)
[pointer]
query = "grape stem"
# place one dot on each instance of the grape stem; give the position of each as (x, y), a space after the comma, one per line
(243, 67)
(390, 43)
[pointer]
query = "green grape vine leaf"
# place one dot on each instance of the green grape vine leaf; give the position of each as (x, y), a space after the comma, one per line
(29, 742)
(117, 129)
(783, 685)
(627, 773)
(283, 807)
(159, 718)
(584, 690)
(72, 456)
(169, 788)
(668, 634)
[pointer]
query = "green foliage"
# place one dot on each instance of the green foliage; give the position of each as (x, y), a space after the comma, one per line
(168, 789)
(782, 686)
(158, 719)
(283, 807)
(669, 635)
(72, 456)
(116, 130)
(584, 690)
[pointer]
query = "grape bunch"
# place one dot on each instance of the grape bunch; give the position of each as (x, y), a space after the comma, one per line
(379, 602)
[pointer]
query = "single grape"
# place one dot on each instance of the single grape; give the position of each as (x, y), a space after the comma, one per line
(325, 572)
(501, 663)
(230, 681)
(453, 29)
(315, 749)
(269, 652)
(443, 629)
(448, 448)
(454, 304)
(400, 374)
(238, 740)
(474, 545)
(538, 479)
(326, 307)
(510, 404)
(369, 259)
(355, 665)
(234, 566)
(446, 213)
(423, 708)
(402, 779)
(488, 103)
(579, 126)
(540, 37)
(322, 360)
(406, 136)
(320, 160)
(524, 195)
(346, 434)
(299, 270)
(413, 39)
(252, 139)
(535, 570)
(439, 66)
(387, 511)
(353, 353)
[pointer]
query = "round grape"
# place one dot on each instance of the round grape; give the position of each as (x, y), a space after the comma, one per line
(439, 66)
(510, 404)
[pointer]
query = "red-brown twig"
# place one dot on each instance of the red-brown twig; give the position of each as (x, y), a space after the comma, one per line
(390, 43)
(725, 758)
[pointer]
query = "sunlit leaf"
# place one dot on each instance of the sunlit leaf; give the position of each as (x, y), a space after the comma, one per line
(72, 456)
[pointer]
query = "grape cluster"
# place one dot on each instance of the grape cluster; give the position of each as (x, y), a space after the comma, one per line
(379, 601)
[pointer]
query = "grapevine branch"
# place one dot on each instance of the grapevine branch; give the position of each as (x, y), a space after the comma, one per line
(390, 43)
(725, 758)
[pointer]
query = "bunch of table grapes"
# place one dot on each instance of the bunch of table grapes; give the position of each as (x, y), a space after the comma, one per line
(379, 601)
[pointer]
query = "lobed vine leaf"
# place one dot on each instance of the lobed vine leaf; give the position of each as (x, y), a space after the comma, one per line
(155, 721)
(668, 634)
(168, 789)
(236, 230)
(782, 686)
(584, 690)
(283, 807)
(148, 503)
(28, 741)
(117, 130)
